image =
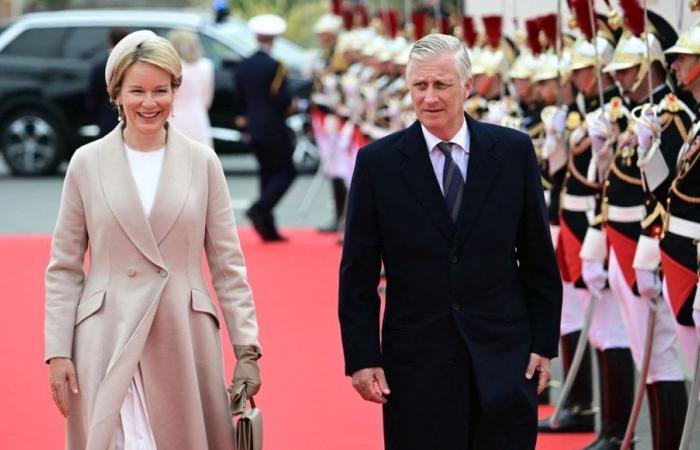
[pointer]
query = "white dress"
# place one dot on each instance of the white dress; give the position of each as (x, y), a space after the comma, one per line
(134, 430)
(193, 99)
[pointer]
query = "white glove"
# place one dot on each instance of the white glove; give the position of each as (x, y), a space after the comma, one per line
(648, 283)
(648, 130)
(594, 275)
(559, 121)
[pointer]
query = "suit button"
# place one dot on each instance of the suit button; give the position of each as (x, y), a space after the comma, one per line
(130, 272)
(453, 259)
(456, 306)
(163, 273)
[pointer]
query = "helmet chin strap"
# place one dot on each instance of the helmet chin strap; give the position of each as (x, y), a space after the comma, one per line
(692, 75)
(641, 75)
(590, 83)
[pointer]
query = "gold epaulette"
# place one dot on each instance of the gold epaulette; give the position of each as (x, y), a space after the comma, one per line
(573, 120)
(671, 108)
(279, 79)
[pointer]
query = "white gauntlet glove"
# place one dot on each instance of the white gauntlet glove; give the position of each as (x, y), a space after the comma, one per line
(648, 283)
(594, 275)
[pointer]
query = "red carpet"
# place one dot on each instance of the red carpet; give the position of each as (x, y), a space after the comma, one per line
(307, 402)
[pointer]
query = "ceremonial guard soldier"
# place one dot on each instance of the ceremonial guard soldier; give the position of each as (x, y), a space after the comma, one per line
(565, 127)
(325, 98)
(628, 213)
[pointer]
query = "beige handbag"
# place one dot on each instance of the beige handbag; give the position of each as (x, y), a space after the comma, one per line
(249, 427)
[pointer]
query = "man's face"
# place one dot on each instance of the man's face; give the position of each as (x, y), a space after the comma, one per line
(682, 66)
(547, 91)
(326, 40)
(523, 89)
(438, 94)
(626, 77)
(584, 80)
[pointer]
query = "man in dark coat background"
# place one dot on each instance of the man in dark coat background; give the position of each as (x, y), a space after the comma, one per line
(454, 210)
(263, 104)
(97, 102)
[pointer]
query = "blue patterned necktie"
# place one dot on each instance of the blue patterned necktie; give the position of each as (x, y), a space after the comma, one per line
(452, 181)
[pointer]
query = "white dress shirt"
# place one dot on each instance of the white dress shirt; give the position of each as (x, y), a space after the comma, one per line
(145, 168)
(460, 152)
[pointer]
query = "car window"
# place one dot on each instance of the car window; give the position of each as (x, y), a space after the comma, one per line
(85, 42)
(217, 51)
(38, 42)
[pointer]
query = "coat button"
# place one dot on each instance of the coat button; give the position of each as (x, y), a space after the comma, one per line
(456, 306)
(453, 259)
(130, 272)
(163, 273)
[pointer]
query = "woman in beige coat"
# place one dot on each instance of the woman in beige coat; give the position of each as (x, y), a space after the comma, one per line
(134, 347)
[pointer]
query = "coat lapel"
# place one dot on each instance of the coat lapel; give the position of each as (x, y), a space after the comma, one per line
(173, 185)
(122, 196)
(485, 160)
(419, 176)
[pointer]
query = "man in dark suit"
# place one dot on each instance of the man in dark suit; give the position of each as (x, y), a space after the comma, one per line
(264, 101)
(96, 99)
(473, 293)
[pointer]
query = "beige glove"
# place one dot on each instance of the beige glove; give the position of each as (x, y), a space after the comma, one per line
(246, 375)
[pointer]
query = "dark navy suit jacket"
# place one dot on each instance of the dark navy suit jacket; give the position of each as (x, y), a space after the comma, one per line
(264, 107)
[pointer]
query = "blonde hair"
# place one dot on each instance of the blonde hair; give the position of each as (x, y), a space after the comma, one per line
(186, 44)
(156, 51)
(434, 45)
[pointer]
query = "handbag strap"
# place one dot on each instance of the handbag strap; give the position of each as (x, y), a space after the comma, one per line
(244, 400)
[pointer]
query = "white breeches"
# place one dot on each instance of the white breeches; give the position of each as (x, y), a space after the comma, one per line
(687, 336)
(634, 310)
(134, 430)
(571, 311)
(606, 330)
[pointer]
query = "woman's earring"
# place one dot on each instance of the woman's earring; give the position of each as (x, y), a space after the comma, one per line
(120, 111)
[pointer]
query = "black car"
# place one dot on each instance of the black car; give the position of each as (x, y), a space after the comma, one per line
(45, 61)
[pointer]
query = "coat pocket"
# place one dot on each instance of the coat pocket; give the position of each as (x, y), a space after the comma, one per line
(89, 306)
(201, 302)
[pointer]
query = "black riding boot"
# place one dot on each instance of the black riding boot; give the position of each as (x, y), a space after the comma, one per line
(340, 194)
(577, 415)
(668, 401)
(616, 397)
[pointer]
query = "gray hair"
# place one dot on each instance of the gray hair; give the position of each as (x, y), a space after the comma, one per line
(434, 45)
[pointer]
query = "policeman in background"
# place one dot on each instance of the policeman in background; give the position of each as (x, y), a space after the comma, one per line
(263, 102)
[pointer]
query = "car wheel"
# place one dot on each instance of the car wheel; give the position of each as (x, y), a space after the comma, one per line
(31, 142)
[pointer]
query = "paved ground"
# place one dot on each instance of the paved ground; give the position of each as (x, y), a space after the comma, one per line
(30, 205)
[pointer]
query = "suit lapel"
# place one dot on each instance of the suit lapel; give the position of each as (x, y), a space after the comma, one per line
(173, 185)
(419, 176)
(123, 198)
(485, 160)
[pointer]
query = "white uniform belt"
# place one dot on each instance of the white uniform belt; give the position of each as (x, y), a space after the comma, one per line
(683, 227)
(580, 203)
(626, 213)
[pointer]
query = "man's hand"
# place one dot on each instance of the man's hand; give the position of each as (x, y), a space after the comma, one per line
(371, 384)
(62, 376)
(540, 364)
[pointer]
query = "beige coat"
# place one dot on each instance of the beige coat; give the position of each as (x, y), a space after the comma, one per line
(144, 299)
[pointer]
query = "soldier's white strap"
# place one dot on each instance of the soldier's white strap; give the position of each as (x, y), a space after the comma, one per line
(577, 203)
(548, 197)
(626, 213)
(654, 167)
(648, 254)
(683, 227)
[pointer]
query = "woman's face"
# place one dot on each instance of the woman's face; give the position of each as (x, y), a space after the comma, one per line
(146, 97)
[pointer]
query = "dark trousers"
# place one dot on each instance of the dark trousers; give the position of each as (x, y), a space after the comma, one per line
(435, 402)
(277, 172)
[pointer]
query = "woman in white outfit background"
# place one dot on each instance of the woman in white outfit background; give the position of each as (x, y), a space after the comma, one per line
(193, 98)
